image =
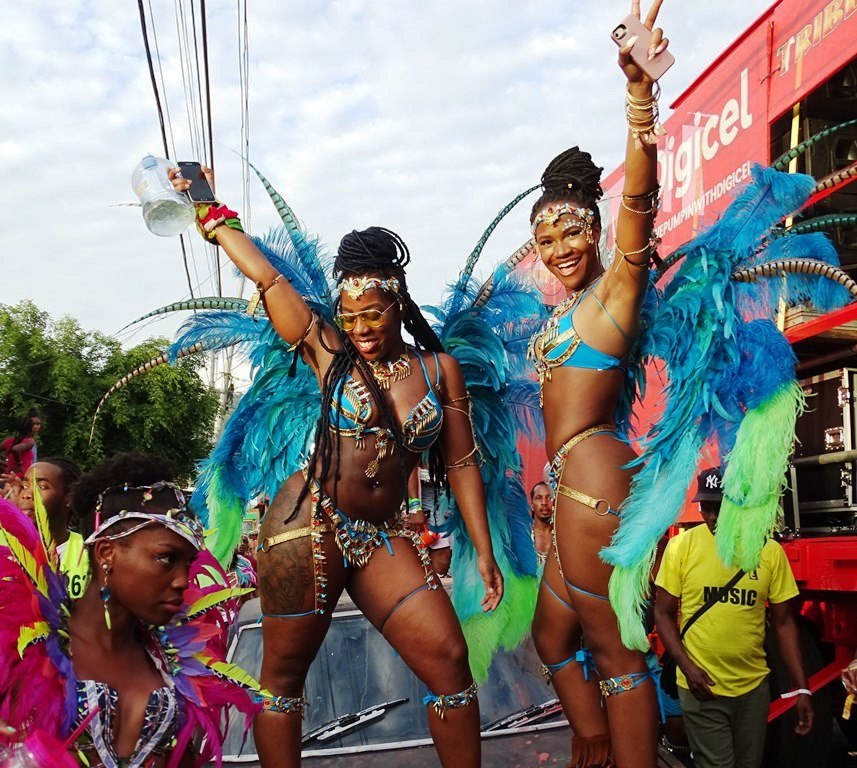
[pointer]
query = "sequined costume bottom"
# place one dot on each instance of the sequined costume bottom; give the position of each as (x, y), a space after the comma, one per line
(357, 540)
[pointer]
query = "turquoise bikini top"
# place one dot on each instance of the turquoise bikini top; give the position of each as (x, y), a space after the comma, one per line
(558, 343)
(352, 410)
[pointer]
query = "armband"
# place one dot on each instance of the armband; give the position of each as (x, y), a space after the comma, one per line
(294, 347)
(210, 217)
(796, 692)
(253, 304)
(465, 461)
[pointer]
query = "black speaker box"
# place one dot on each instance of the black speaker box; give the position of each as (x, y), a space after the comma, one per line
(826, 494)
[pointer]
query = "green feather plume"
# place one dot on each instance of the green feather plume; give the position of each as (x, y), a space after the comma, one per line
(504, 628)
(755, 476)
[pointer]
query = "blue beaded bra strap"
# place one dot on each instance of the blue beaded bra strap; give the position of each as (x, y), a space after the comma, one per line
(443, 702)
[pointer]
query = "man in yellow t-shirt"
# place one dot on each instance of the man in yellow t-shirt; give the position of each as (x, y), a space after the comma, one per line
(74, 564)
(721, 673)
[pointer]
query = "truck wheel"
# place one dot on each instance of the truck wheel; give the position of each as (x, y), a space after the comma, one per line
(783, 748)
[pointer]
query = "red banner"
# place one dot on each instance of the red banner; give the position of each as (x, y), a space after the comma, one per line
(812, 40)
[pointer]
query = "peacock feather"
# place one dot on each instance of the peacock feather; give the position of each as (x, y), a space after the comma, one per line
(205, 302)
(469, 265)
(782, 162)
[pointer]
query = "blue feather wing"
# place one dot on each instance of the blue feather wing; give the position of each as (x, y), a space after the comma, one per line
(489, 343)
(217, 330)
(757, 297)
(268, 436)
(722, 356)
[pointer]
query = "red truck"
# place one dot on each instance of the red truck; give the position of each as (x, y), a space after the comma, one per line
(792, 73)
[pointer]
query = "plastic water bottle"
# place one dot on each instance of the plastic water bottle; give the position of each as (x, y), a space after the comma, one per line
(166, 212)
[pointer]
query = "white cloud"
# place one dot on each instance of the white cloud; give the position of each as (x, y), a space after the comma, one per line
(425, 118)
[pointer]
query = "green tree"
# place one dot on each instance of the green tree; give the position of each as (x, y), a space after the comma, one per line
(62, 371)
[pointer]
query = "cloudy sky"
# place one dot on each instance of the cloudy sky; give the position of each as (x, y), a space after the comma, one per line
(422, 117)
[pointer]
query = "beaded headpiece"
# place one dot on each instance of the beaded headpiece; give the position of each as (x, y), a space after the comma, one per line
(177, 519)
(356, 286)
(550, 215)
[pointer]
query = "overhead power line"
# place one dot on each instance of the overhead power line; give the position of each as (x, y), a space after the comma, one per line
(152, 76)
(160, 120)
(208, 115)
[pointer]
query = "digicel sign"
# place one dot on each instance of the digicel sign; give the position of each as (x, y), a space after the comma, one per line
(720, 125)
(705, 137)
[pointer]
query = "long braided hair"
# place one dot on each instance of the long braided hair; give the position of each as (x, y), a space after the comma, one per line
(377, 252)
(571, 177)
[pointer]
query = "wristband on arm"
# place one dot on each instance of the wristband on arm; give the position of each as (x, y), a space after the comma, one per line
(796, 692)
(210, 217)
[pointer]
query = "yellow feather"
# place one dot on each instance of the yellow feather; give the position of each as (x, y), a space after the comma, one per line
(27, 562)
(42, 523)
(229, 672)
(30, 634)
(215, 598)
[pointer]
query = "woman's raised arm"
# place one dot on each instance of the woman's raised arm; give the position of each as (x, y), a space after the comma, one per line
(640, 191)
(288, 311)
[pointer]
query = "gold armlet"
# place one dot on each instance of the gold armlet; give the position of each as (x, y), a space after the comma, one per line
(302, 339)
(257, 297)
(465, 461)
(625, 254)
(650, 248)
(652, 198)
(464, 398)
(645, 195)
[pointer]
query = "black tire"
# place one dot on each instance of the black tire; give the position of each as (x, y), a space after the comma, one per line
(783, 748)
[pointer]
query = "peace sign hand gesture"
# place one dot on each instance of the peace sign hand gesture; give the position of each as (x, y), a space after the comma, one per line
(659, 44)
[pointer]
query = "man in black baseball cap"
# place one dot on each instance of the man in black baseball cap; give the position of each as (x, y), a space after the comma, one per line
(722, 673)
(709, 495)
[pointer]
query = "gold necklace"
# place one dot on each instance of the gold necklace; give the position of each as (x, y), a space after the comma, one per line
(386, 372)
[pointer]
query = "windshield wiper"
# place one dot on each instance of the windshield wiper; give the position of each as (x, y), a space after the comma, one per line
(345, 723)
(528, 716)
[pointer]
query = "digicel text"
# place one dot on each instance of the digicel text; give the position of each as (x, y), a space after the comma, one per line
(677, 166)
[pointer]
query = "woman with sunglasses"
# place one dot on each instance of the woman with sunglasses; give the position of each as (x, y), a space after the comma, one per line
(337, 524)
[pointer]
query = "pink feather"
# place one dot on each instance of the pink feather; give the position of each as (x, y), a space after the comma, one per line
(32, 690)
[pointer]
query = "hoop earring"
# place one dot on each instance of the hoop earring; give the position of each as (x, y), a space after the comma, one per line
(105, 595)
